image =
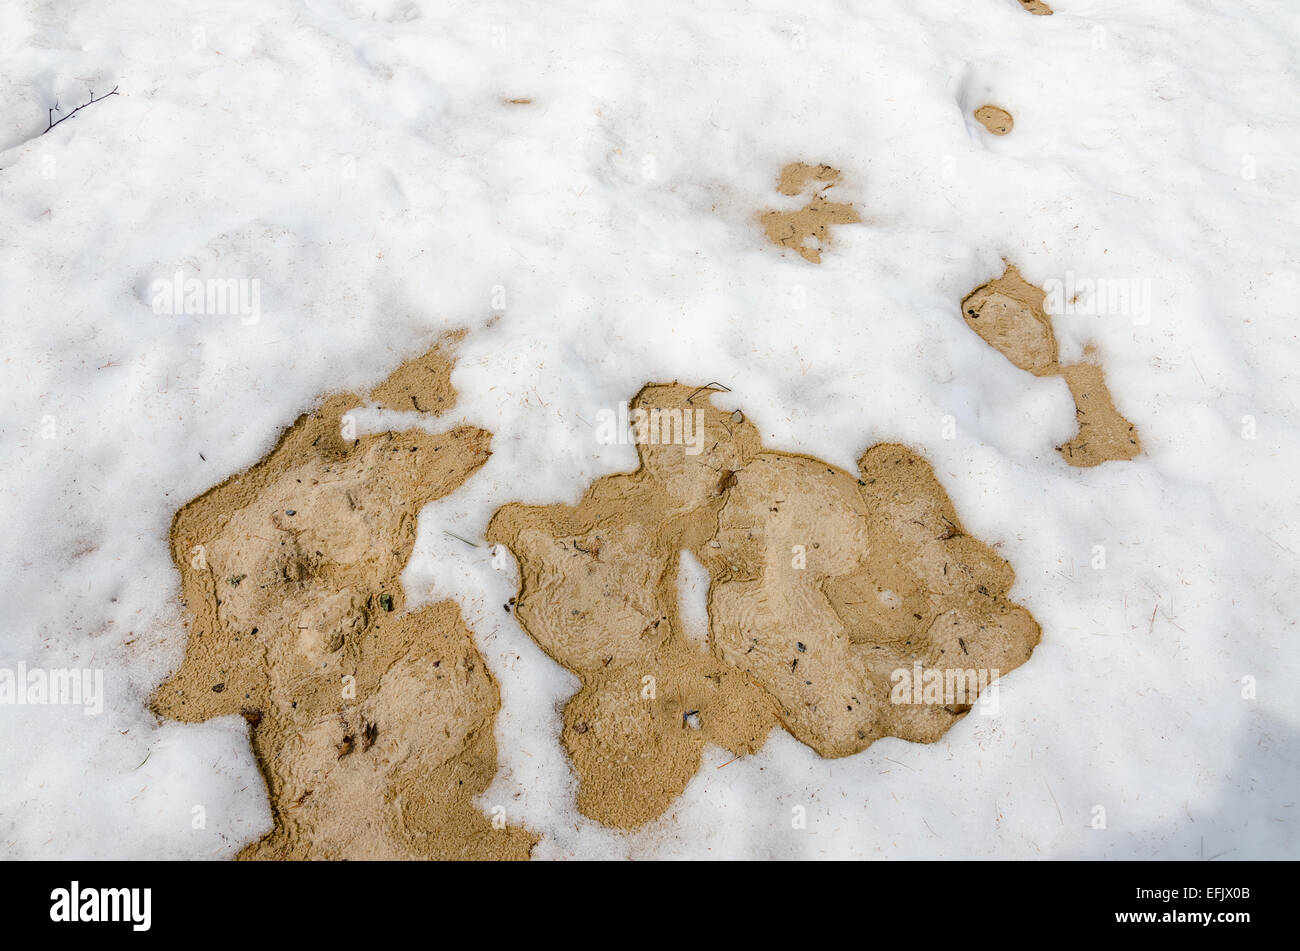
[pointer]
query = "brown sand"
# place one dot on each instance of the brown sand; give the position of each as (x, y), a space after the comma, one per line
(808, 229)
(996, 119)
(1037, 7)
(823, 584)
(1008, 313)
(373, 727)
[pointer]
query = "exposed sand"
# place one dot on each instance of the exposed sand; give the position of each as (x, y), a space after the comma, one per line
(823, 584)
(1037, 7)
(807, 230)
(1008, 313)
(372, 726)
(996, 119)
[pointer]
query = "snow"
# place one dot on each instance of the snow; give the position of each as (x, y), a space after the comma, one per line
(358, 159)
(693, 599)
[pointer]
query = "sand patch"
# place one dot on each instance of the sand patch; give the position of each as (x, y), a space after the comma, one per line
(807, 230)
(1008, 313)
(824, 586)
(996, 119)
(1037, 7)
(372, 726)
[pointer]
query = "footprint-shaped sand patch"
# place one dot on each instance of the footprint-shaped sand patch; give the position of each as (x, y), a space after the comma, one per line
(807, 230)
(1008, 313)
(832, 596)
(996, 119)
(373, 727)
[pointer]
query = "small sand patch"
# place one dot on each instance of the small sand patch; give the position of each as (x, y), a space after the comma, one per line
(808, 229)
(372, 726)
(996, 119)
(1037, 7)
(1008, 313)
(824, 585)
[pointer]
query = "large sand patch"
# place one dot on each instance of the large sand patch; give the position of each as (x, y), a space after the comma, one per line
(825, 585)
(373, 726)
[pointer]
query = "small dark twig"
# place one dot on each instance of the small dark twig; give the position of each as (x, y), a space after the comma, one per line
(92, 101)
(460, 539)
(707, 386)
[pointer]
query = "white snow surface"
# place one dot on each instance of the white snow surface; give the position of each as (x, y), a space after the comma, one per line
(359, 160)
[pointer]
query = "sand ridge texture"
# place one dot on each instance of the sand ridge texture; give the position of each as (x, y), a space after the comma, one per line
(1008, 313)
(824, 585)
(372, 726)
(807, 230)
